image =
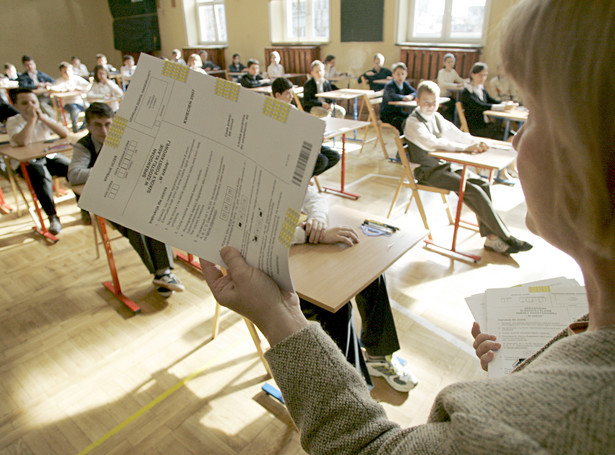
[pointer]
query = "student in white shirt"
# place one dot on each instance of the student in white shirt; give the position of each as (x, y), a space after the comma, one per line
(69, 82)
(79, 69)
(275, 69)
(128, 69)
(104, 88)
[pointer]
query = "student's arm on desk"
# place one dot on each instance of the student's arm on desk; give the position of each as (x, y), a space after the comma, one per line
(78, 169)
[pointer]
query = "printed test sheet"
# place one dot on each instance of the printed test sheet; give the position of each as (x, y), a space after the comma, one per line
(199, 163)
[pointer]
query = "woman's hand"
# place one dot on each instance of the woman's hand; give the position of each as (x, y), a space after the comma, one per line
(254, 295)
(485, 346)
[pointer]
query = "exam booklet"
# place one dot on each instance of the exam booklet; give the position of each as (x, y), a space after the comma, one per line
(199, 163)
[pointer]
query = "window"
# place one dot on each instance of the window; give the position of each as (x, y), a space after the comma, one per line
(211, 20)
(443, 21)
(299, 21)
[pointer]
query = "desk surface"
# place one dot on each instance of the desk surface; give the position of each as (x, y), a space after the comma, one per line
(336, 126)
(40, 149)
(441, 100)
(344, 94)
(516, 114)
(262, 89)
(330, 275)
(500, 155)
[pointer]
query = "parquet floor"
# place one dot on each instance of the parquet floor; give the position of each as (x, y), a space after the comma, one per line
(80, 374)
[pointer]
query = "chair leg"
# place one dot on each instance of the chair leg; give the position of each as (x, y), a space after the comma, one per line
(216, 323)
(448, 209)
(258, 344)
(419, 204)
(381, 140)
(364, 138)
(401, 183)
(317, 183)
(93, 218)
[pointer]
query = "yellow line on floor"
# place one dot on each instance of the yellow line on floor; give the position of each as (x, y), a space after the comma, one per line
(156, 400)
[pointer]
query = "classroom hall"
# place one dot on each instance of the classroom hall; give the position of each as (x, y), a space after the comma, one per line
(81, 373)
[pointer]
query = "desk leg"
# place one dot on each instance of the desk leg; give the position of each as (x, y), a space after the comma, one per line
(42, 230)
(341, 191)
(188, 258)
(4, 207)
(114, 287)
(62, 111)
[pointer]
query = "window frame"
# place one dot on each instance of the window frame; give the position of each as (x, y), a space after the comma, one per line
(280, 18)
(405, 23)
(199, 25)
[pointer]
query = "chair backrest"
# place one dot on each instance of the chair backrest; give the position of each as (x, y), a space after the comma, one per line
(296, 92)
(463, 123)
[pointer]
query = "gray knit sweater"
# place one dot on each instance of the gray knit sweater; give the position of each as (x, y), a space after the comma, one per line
(563, 402)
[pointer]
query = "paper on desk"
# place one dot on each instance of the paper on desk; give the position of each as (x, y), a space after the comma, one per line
(199, 163)
(478, 302)
(524, 319)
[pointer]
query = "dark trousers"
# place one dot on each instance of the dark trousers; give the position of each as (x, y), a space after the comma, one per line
(397, 120)
(378, 333)
(327, 158)
(154, 254)
(73, 110)
(41, 172)
(477, 197)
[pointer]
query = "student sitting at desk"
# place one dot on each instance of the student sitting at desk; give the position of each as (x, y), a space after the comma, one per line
(476, 100)
(128, 69)
(29, 127)
(33, 79)
(79, 69)
(320, 107)
(101, 60)
(396, 90)
(502, 88)
(69, 82)
(208, 65)
(330, 70)
(176, 57)
(275, 69)
(236, 66)
(252, 78)
(447, 79)
(378, 334)
(157, 256)
(427, 131)
(376, 73)
(10, 72)
(195, 63)
(104, 88)
(282, 89)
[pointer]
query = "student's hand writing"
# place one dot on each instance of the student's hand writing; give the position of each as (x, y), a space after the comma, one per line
(341, 234)
(315, 230)
(254, 295)
(484, 345)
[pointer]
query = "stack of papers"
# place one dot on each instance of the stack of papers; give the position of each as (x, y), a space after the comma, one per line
(524, 318)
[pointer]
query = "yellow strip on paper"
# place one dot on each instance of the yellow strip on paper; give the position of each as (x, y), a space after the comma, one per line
(276, 109)
(175, 71)
(287, 230)
(115, 133)
(227, 89)
(539, 288)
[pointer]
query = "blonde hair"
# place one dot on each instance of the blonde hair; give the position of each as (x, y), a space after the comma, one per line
(196, 60)
(428, 87)
(560, 53)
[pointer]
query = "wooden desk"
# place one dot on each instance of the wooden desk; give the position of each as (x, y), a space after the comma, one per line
(500, 155)
(347, 77)
(264, 89)
(441, 100)
(341, 271)
(336, 127)
(60, 97)
(518, 114)
(30, 152)
(346, 94)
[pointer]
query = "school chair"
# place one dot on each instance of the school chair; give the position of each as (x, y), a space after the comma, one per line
(461, 115)
(407, 180)
(375, 122)
(297, 96)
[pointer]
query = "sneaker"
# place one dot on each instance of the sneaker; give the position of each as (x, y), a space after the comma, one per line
(518, 244)
(169, 281)
(54, 224)
(499, 246)
(86, 218)
(391, 369)
(164, 292)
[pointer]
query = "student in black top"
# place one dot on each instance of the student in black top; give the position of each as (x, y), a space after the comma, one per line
(476, 100)
(376, 73)
(320, 107)
(236, 66)
(396, 90)
(252, 78)
(208, 65)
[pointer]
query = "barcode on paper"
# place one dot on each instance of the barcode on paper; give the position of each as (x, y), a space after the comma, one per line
(304, 156)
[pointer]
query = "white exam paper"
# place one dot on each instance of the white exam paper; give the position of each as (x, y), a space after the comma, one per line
(199, 163)
(524, 320)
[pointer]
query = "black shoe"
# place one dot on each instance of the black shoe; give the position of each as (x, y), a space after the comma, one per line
(517, 244)
(86, 218)
(164, 292)
(54, 224)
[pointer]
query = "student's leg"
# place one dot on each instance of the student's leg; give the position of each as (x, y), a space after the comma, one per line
(42, 183)
(338, 111)
(378, 333)
(327, 158)
(58, 165)
(319, 112)
(73, 111)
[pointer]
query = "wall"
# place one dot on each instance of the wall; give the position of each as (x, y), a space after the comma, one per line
(53, 30)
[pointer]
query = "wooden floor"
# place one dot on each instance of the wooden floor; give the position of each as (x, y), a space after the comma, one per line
(80, 374)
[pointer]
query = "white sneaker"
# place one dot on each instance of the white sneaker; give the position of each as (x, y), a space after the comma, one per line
(499, 246)
(169, 281)
(397, 375)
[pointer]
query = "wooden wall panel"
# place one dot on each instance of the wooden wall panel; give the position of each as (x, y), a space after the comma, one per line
(215, 54)
(295, 59)
(425, 62)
